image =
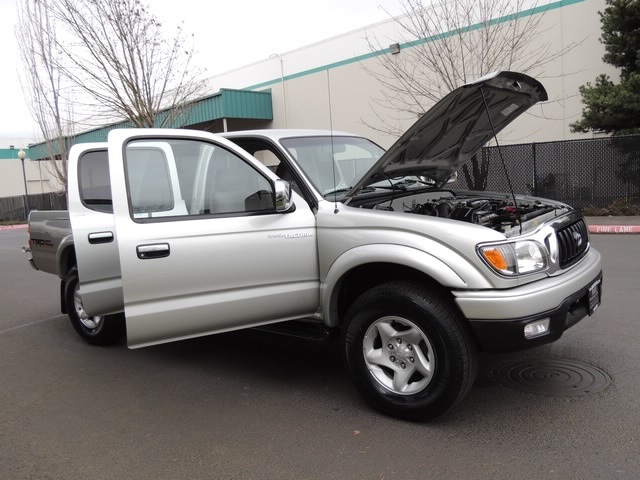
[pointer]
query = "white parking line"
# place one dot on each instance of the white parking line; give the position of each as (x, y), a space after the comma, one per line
(18, 327)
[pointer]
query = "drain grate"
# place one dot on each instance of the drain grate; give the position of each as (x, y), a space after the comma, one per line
(552, 377)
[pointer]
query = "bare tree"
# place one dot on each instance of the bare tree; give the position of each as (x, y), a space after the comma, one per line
(450, 43)
(44, 84)
(104, 61)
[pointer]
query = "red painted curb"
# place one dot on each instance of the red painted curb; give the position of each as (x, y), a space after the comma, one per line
(614, 229)
(12, 227)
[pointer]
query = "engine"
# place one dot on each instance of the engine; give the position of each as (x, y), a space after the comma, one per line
(496, 213)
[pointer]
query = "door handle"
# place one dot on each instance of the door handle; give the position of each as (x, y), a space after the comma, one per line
(100, 237)
(156, 250)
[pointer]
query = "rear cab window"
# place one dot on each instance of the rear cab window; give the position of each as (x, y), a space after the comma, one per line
(94, 181)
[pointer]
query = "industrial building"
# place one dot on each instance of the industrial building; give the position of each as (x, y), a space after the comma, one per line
(329, 85)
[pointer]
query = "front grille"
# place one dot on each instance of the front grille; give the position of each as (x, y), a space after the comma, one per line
(573, 241)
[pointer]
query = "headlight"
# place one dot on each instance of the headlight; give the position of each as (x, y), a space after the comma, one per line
(515, 258)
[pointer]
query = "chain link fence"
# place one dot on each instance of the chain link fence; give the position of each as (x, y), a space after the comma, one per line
(582, 173)
(595, 172)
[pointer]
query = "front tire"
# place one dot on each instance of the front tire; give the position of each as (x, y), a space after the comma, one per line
(96, 330)
(408, 351)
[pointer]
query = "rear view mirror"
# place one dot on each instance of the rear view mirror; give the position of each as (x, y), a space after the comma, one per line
(282, 191)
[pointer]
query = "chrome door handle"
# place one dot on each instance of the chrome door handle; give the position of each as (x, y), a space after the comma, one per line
(156, 250)
(100, 237)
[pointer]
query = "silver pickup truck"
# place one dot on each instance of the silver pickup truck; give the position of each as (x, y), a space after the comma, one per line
(174, 234)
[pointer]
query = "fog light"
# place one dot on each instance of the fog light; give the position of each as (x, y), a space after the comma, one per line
(537, 328)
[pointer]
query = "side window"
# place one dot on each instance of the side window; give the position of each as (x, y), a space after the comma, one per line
(268, 159)
(268, 156)
(94, 181)
(178, 178)
(233, 186)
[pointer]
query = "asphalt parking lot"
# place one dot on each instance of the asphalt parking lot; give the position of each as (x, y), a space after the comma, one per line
(251, 405)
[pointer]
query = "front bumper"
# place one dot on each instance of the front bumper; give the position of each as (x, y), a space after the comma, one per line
(498, 317)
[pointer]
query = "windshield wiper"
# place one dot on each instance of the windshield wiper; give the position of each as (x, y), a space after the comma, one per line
(346, 189)
(337, 190)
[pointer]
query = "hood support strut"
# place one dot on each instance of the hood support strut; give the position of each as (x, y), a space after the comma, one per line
(504, 165)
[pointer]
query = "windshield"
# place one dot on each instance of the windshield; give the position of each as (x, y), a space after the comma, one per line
(333, 164)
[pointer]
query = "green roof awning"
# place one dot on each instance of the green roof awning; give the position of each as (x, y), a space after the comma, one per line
(227, 103)
(232, 104)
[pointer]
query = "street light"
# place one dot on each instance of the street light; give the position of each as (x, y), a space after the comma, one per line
(22, 155)
(284, 91)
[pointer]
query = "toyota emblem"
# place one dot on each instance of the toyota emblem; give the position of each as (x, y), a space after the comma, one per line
(577, 238)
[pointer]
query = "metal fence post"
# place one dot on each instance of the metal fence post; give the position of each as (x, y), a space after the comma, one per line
(535, 170)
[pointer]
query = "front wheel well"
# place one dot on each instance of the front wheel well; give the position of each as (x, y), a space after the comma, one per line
(365, 277)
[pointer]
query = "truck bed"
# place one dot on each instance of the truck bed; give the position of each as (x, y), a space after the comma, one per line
(47, 231)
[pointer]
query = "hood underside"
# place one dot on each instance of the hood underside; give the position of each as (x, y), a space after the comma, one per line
(456, 128)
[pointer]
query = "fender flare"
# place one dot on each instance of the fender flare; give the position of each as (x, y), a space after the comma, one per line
(65, 249)
(382, 253)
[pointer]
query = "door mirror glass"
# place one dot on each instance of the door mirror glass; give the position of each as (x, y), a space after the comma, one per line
(283, 196)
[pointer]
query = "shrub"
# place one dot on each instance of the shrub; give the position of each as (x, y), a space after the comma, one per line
(618, 208)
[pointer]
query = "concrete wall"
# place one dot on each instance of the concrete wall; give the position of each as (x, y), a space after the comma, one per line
(38, 174)
(301, 81)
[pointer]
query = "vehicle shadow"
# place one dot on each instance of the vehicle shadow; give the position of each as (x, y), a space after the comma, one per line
(254, 357)
(249, 365)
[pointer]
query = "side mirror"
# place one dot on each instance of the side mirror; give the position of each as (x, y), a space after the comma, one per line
(282, 190)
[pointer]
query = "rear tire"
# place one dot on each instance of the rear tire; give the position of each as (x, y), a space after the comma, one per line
(96, 330)
(408, 351)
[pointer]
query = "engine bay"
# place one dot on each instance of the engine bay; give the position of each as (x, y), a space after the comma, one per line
(498, 212)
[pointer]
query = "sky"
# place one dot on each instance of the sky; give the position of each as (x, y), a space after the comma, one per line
(228, 34)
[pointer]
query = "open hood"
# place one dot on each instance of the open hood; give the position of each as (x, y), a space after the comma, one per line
(455, 128)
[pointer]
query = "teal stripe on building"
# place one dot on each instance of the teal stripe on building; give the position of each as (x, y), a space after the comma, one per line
(12, 153)
(360, 58)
